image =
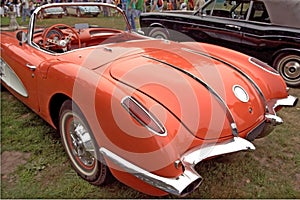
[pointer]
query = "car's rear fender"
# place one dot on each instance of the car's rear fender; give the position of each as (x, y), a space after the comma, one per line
(270, 83)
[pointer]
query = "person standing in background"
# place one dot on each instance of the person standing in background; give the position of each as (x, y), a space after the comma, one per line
(25, 10)
(174, 4)
(16, 7)
(191, 4)
(13, 24)
(124, 3)
(139, 7)
(198, 4)
(31, 7)
(130, 12)
(157, 5)
(3, 9)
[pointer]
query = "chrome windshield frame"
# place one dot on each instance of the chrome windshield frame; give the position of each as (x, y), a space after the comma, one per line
(38, 9)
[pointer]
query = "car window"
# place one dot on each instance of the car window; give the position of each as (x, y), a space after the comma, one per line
(259, 12)
(240, 11)
(227, 9)
(219, 8)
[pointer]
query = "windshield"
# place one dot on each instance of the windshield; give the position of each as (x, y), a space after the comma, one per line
(96, 15)
(62, 27)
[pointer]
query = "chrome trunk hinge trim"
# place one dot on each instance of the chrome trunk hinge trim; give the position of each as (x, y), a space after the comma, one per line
(263, 98)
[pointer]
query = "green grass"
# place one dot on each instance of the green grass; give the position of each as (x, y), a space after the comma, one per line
(271, 171)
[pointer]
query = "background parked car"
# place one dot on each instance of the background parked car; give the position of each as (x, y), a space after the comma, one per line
(80, 11)
(266, 29)
(52, 12)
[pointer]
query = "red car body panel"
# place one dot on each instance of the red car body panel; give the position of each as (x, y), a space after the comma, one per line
(188, 87)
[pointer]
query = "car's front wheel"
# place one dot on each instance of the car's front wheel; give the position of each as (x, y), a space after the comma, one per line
(81, 146)
(288, 66)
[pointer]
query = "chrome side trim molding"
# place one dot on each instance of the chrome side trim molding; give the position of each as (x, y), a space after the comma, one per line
(11, 79)
(189, 180)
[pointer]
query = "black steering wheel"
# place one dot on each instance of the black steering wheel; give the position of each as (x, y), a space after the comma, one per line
(54, 38)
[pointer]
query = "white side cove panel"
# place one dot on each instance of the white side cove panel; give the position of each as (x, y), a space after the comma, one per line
(11, 79)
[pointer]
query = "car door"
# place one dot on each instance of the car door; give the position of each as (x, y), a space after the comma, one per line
(19, 71)
(258, 33)
(223, 22)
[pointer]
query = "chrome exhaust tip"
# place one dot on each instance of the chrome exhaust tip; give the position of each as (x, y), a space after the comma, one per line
(191, 187)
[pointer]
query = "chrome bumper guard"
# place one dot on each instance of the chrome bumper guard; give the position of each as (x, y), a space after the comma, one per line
(189, 180)
(289, 101)
(271, 117)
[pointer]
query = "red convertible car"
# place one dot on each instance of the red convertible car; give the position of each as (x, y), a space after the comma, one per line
(141, 109)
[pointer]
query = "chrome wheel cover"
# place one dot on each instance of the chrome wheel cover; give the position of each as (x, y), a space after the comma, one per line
(79, 143)
(289, 69)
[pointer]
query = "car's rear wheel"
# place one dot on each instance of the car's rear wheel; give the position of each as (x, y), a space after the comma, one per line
(81, 146)
(159, 33)
(288, 66)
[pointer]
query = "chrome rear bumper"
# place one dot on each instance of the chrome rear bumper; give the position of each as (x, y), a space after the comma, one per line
(273, 104)
(271, 118)
(189, 180)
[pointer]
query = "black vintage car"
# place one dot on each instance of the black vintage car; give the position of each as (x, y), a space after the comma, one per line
(266, 29)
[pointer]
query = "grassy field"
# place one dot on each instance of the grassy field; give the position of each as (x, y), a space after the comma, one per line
(40, 168)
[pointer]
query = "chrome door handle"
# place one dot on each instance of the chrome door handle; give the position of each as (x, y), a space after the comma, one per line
(233, 26)
(31, 67)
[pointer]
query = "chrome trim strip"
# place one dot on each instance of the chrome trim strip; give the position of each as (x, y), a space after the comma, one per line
(210, 89)
(153, 118)
(263, 68)
(11, 79)
(189, 180)
(175, 185)
(236, 69)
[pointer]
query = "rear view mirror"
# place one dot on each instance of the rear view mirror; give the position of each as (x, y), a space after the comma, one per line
(22, 37)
